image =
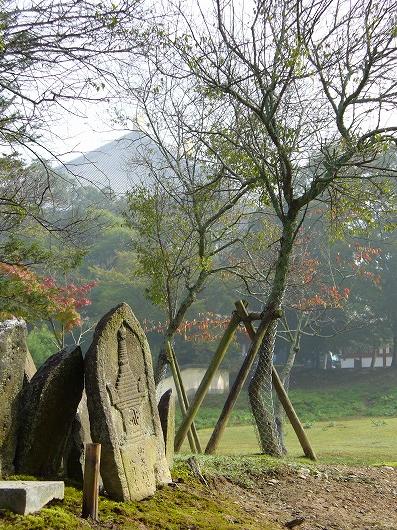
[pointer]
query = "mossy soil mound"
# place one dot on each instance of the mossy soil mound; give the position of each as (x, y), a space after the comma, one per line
(242, 493)
(184, 505)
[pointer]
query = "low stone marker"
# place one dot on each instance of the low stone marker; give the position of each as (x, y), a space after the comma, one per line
(13, 352)
(166, 408)
(26, 497)
(122, 407)
(49, 406)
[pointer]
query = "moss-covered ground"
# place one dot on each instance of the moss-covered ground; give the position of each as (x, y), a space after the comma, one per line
(185, 505)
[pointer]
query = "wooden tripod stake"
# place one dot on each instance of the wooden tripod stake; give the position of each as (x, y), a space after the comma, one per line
(237, 387)
(194, 441)
(206, 381)
(91, 481)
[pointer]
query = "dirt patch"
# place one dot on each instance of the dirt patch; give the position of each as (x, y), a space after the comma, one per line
(328, 498)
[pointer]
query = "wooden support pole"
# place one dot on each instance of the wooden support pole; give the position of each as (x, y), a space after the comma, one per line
(186, 402)
(292, 416)
(206, 381)
(180, 390)
(286, 403)
(91, 481)
(236, 388)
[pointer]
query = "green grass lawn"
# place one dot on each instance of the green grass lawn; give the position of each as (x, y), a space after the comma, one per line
(320, 395)
(349, 416)
(360, 441)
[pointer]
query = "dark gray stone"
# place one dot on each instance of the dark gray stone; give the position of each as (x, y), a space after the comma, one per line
(26, 497)
(122, 406)
(166, 408)
(13, 352)
(75, 446)
(49, 406)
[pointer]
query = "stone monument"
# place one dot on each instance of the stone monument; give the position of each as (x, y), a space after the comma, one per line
(73, 459)
(122, 407)
(13, 352)
(50, 402)
(166, 408)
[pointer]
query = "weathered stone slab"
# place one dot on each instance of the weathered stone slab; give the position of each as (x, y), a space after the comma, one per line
(25, 497)
(166, 409)
(49, 406)
(13, 352)
(75, 446)
(122, 408)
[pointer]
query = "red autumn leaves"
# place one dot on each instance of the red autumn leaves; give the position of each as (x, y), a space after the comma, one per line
(54, 301)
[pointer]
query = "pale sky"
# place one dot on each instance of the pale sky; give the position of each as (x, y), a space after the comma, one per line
(85, 128)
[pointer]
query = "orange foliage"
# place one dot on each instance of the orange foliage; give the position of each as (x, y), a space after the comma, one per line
(208, 327)
(60, 302)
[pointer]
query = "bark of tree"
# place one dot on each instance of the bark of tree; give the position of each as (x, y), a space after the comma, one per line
(261, 395)
(260, 385)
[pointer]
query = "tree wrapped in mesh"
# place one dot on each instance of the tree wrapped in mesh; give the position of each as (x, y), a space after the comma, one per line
(306, 95)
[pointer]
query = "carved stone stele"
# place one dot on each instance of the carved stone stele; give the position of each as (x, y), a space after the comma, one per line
(122, 407)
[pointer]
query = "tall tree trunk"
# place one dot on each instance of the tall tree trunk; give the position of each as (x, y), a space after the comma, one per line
(394, 352)
(162, 360)
(261, 396)
(174, 322)
(261, 382)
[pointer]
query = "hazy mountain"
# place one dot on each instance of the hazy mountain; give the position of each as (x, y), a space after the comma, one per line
(115, 164)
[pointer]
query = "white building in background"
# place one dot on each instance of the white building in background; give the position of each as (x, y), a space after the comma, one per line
(382, 358)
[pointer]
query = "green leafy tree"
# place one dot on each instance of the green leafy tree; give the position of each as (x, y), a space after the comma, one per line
(191, 212)
(182, 237)
(52, 53)
(41, 344)
(305, 93)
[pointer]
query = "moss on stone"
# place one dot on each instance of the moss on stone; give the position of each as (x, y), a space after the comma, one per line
(21, 477)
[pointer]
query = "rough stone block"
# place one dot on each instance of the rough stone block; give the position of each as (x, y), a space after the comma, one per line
(13, 353)
(49, 406)
(25, 497)
(73, 459)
